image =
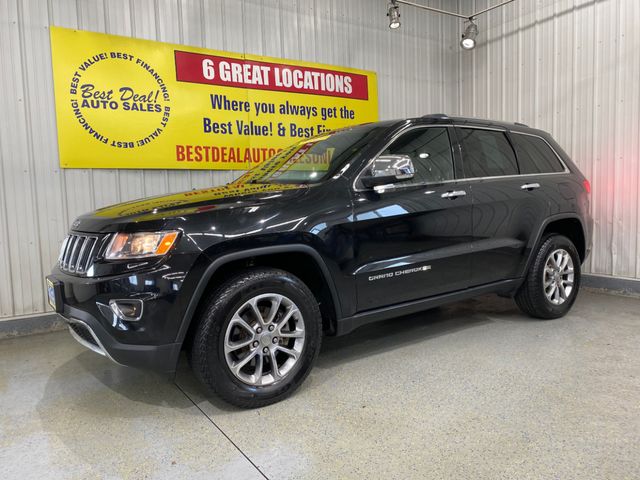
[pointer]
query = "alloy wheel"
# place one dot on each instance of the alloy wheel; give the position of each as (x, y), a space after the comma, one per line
(558, 276)
(264, 339)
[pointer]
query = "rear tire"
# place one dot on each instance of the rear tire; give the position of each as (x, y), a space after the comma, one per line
(257, 338)
(553, 281)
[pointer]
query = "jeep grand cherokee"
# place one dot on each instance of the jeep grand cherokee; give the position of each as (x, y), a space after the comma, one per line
(347, 228)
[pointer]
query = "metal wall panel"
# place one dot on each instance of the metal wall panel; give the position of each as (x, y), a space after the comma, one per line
(571, 67)
(417, 73)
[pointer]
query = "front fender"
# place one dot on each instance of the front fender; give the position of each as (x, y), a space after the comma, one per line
(215, 264)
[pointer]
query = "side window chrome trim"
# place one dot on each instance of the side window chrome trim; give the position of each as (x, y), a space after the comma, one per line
(503, 130)
(520, 175)
(494, 129)
(393, 139)
(403, 186)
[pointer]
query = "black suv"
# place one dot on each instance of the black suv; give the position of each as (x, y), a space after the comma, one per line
(337, 231)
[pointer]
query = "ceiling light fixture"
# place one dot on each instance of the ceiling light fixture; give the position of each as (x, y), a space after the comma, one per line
(393, 13)
(468, 41)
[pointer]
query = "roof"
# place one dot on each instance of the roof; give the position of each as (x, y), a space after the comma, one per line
(445, 119)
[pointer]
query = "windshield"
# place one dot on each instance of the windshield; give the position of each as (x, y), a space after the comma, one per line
(314, 159)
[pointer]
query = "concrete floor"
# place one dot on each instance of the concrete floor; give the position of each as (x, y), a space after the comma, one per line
(474, 390)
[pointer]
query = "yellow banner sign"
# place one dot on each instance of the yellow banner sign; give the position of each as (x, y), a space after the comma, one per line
(129, 103)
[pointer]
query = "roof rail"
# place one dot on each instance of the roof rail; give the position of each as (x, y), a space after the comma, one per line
(521, 124)
(440, 116)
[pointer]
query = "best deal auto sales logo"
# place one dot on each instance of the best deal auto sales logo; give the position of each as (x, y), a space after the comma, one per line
(120, 100)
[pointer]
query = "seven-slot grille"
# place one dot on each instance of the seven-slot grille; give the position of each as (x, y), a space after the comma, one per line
(78, 252)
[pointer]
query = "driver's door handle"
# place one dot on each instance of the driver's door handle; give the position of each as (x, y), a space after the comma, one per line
(529, 186)
(454, 194)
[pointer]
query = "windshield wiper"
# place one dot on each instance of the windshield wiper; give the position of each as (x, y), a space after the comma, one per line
(255, 181)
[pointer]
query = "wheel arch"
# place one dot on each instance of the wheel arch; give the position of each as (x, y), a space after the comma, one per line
(221, 265)
(570, 225)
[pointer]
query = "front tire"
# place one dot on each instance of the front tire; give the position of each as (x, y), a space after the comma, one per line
(257, 338)
(553, 281)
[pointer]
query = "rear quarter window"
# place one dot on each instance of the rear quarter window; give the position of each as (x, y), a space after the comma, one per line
(535, 155)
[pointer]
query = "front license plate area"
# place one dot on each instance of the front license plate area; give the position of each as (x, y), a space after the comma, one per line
(54, 294)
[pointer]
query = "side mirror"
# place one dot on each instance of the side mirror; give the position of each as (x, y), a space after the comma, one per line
(388, 169)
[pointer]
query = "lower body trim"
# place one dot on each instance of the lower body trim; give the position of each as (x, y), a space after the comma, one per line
(96, 346)
(346, 325)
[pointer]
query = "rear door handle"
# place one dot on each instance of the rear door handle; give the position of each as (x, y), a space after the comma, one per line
(529, 186)
(454, 194)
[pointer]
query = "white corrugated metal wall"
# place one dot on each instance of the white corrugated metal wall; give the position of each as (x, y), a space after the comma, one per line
(417, 73)
(571, 67)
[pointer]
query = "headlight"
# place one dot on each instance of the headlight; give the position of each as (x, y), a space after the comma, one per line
(140, 245)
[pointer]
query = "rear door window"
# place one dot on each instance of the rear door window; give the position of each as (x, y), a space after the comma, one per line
(486, 153)
(535, 155)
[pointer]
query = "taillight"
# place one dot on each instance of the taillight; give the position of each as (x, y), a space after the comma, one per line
(586, 185)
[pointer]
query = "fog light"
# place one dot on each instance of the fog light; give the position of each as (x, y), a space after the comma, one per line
(127, 310)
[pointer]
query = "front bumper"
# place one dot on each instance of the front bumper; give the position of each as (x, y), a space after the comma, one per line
(150, 341)
(88, 331)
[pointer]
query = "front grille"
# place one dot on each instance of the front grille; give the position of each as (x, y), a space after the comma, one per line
(78, 253)
(83, 333)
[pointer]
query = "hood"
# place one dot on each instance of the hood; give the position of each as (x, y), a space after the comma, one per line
(158, 212)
